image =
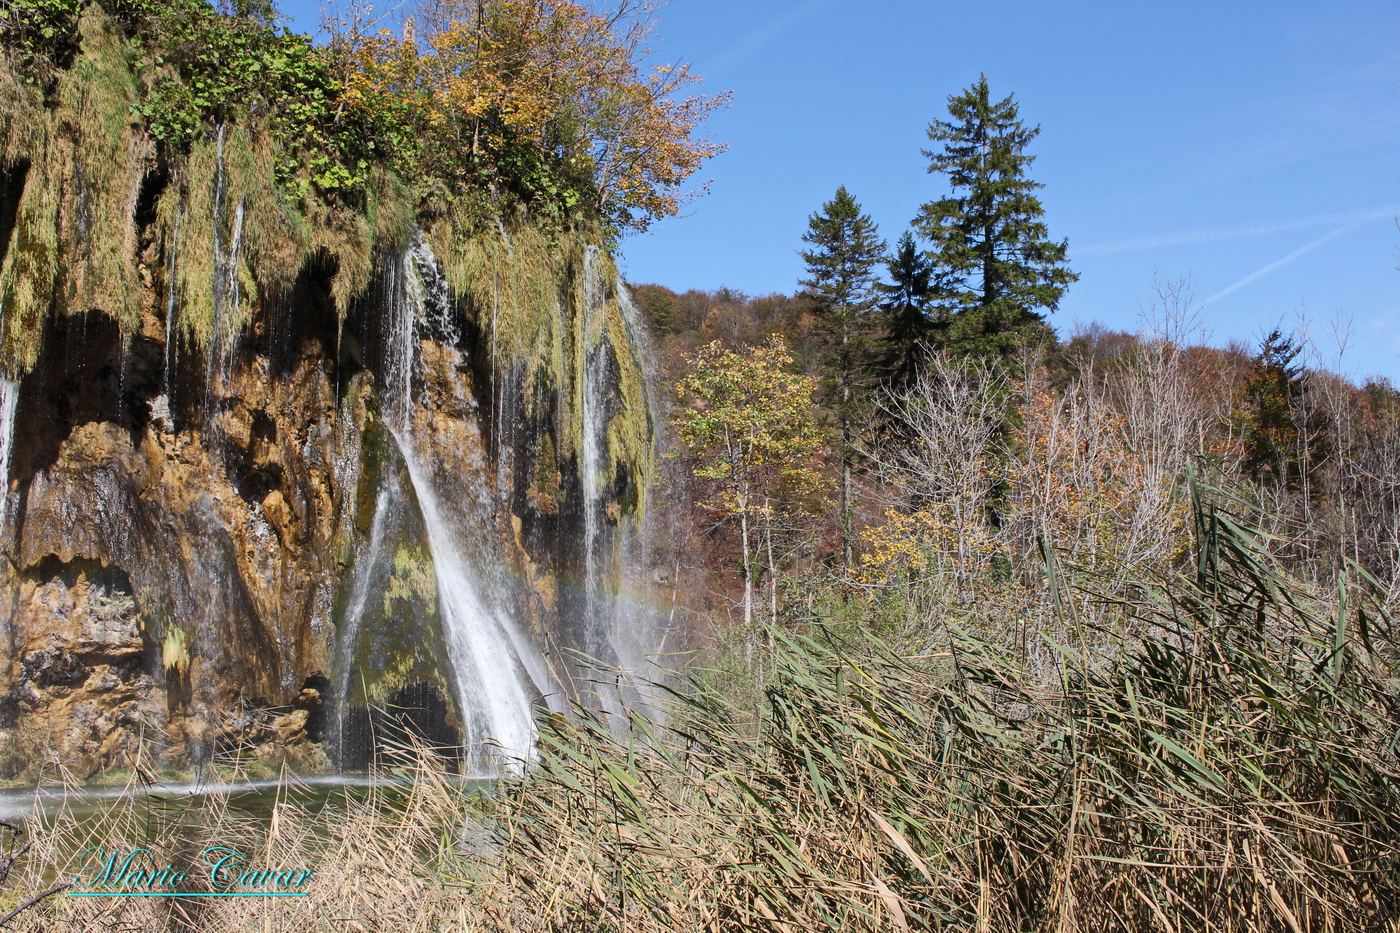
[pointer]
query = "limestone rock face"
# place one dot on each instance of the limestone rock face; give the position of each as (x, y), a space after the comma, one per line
(197, 544)
(164, 562)
(77, 682)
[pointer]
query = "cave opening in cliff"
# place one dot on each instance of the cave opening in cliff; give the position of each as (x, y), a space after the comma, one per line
(416, 715)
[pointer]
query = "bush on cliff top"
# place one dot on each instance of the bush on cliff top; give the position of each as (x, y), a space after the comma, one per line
(223, 152)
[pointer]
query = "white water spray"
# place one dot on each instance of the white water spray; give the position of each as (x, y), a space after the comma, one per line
(9, 400)
(495, 667)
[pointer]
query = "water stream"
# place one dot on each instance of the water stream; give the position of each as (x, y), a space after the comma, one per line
(497, 672)
(254, 798)
(595, 441)
(9, 400)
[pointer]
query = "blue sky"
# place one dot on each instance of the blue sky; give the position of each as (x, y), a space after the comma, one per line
(1250, 147)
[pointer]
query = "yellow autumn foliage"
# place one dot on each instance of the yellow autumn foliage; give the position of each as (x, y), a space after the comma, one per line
(546, 83)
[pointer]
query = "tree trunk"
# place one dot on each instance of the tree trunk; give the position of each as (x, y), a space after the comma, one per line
(772, 566)
(846, 493)
(748, 575)
(846, 450)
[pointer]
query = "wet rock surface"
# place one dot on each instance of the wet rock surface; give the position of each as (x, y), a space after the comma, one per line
(163, 562)
(185, 530)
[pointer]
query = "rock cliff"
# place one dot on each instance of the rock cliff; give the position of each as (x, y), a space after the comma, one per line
(188, 560)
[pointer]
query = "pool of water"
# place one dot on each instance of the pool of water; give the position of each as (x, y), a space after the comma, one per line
(253, 798)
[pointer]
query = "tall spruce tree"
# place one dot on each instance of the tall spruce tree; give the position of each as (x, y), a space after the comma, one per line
(1271, 437)
(843, 285)
(908, 324)
(994, 262)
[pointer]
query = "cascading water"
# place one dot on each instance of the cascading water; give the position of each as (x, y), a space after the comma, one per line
(496, 708)
(618, 629)
(369, 568)
(595, 440)
(497, 671)
(9, 400)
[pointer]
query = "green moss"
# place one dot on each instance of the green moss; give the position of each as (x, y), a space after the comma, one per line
(632, 430)
(400, 638)
(30, 265)
(412, 582)
(77, 211)
(97, 208)
(29, 272)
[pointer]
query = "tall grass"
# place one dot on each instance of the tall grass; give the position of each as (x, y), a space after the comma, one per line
(1220, 755)
(1231, 765)
(385, 860)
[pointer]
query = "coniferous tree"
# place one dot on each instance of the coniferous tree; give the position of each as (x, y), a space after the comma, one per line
(906, 311)
(843, 286)
(994, 262)
(1270, 431)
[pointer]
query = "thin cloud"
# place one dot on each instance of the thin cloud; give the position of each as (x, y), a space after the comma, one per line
(1225, 233)
(1306, 248)
(754, 42)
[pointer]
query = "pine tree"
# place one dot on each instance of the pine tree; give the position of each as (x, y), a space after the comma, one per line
(1270, 431)
(994, 262)
(844, 287)
(906, 312)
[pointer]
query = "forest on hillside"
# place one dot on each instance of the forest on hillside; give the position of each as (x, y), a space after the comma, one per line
(955, 437)
(1087, 443)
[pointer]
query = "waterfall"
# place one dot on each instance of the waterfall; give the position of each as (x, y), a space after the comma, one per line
(368, 566)
(496, 709)
(497, 671)
(595, 429)
(9, 399)
(619, 629)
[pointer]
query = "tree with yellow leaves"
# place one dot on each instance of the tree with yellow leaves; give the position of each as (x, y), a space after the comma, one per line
(752, 433)
(541, 99)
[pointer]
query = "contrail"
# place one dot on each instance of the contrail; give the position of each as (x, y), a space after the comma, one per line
(1253, 276)
(754, 41)
(1226, 233)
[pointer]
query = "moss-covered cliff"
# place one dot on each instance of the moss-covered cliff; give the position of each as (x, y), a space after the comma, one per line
(199, 330)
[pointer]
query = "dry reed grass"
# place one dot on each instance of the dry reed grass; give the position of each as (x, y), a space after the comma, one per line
(1232, 766)
(383, 861)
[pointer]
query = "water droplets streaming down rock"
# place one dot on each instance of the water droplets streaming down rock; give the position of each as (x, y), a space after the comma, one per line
(497, 671)
(373, 563)
(9, 401)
